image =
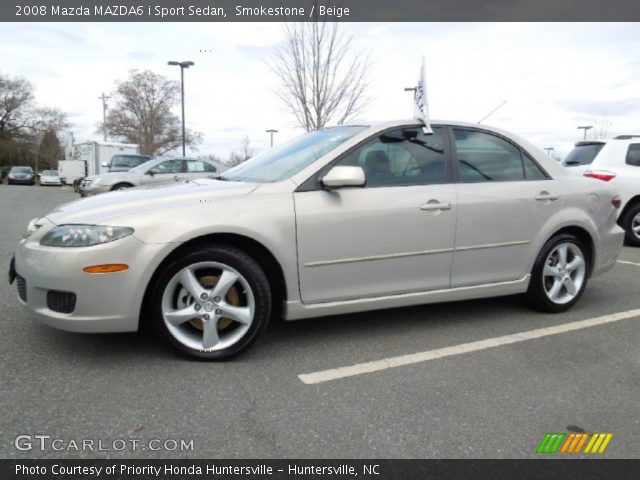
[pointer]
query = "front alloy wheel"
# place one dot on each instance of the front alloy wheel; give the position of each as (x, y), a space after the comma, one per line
(214, 302)
(559, 275)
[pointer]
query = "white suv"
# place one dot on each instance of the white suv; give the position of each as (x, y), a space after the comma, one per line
(618, 163)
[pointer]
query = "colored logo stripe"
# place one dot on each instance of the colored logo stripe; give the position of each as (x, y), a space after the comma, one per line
(550, 442)
(573, 442)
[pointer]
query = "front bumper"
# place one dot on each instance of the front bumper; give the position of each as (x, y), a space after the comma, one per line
(21, 181)
(86, 190)
(102, 302)
(51, 182)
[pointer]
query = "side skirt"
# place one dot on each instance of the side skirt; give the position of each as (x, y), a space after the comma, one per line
(298, 310)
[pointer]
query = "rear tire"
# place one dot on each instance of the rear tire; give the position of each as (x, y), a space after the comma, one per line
(631, 225)
(559, 275)
(211, 303)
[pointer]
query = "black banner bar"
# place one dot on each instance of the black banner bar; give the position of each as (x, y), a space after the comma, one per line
(582, 469)
(313, 10)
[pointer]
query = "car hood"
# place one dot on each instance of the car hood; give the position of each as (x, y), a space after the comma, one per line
(99, 209)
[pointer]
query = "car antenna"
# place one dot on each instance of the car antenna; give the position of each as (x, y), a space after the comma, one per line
(491, 112)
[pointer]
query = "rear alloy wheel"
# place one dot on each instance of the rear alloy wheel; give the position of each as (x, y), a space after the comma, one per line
(559, 275)
(212, 303)
(631, 225)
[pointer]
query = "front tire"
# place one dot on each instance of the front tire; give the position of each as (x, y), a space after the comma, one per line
(559, 275)
(121, 186)
(211, 303)
(631, 225)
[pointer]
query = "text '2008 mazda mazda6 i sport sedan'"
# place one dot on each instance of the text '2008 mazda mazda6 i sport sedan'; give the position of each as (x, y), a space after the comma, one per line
(344, 219)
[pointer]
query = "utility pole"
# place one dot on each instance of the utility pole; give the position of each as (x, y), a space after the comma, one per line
(271, 131)
(182, 66)
(585, 128)
(104, 99)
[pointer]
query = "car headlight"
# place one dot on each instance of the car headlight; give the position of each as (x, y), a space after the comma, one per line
(83, 235)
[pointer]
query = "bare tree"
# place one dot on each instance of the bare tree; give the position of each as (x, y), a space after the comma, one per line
(323, 78)
(16, 104)
(142, 114)
(245, 153)
(601, 129)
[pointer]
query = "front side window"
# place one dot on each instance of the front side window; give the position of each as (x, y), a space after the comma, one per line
(406, 156)
(633, 155)
(483, 157)
(194, 166)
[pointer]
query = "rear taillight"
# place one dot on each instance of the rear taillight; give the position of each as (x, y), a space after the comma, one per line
(600, 175)
(616, 202)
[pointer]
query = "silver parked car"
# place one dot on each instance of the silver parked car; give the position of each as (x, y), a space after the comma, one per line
(340, 220)
(158, 170)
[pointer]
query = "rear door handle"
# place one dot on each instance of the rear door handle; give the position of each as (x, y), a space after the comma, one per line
(432, 205)
(546, 197)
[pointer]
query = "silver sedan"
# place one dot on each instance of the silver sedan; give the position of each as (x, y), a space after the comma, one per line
(340, 220)
(159, 170)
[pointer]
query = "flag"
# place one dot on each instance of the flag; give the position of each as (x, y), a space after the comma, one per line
(420, 105)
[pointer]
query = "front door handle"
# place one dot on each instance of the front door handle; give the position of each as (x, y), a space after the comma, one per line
(432, 205)
(545, 196)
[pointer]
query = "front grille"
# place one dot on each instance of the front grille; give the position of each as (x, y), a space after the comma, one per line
(62, 302)
(22, 288)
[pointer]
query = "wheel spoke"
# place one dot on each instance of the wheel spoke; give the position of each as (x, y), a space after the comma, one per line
(227, 279)
(555, 289)
(576, 263)
(239, 314)
(551, 271)
(570, 285)
(562, 253)
(636, 229)
(178, 317)
(191, 283)
(210, 334)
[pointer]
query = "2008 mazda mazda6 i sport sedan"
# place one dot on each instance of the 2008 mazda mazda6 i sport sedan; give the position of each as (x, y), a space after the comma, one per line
(340, 220)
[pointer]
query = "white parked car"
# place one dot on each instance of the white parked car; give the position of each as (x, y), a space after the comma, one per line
(158, 170)
(50, 177)
(340, 220)
(618, 163)
(581, 156)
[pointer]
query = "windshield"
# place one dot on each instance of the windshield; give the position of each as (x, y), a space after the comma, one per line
(582, 154)
(21, 170)
(50, 173)
(285, 161)
(143, 167)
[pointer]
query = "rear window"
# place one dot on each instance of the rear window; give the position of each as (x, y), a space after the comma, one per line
(582, 154)
(633, 155)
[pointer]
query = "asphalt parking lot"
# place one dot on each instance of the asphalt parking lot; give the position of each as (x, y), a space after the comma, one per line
(494, 402)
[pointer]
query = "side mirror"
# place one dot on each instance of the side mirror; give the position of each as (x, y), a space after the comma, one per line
(340, 177)
(150, 172)
(104, 164)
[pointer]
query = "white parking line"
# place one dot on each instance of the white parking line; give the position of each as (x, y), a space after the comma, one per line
(392, 362)
(629, 263)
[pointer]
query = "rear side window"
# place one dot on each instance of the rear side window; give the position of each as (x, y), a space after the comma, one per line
(633, 155)
(483, 157)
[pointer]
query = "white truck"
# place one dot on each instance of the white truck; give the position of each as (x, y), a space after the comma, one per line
(70, 170)
(91, 156)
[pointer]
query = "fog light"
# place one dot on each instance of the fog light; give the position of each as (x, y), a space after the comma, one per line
(107, 268)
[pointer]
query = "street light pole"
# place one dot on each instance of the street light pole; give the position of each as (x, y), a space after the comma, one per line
(585, 128)
(549, 150)
(182, 66)
(104, 99)
(271, 131)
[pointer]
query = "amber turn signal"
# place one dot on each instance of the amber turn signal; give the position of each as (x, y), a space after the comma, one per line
(108, 268)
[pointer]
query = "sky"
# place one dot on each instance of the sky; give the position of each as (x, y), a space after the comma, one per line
(553, 76)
